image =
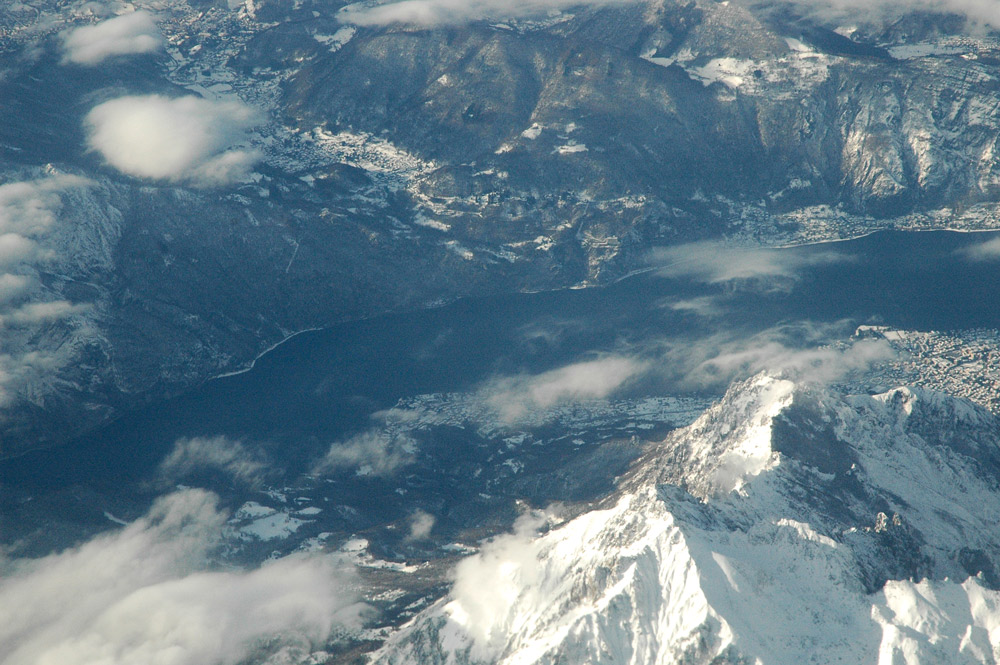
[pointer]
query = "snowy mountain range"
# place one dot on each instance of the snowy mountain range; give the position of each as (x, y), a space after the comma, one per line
(787, 524)
(533, 242)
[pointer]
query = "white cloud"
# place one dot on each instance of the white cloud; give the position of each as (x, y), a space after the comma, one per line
(988, 250)
(182, 139)
(983, 12)
(29, 208)
(488, 585)
(421, 524)
(123, 35)
(799, 352)
(707, 306)
(146, 594)
(16, 250)
(454, 12)
(374, 452)
(717, 263)
(13, 287)
(29, 215)
(512, 397)
(43, 312)
(811, 365)
(213, 453)
(230, 166)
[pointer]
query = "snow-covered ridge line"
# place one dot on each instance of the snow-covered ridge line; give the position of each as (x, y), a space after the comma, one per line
(865, 538)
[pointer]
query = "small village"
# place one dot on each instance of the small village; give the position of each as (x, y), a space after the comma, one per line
(965, 363)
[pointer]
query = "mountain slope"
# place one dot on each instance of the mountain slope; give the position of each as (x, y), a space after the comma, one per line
(787, 524)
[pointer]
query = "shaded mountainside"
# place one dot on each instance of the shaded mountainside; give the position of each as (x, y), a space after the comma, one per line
(786, 524)
(401, 167)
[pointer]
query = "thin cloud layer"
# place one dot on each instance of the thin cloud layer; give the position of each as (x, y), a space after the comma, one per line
(717, 263)
(21, 372)
(984, 251)
(513, 397)
(374, 452)
(799, 352)
(982, 12)
(43, 312)
(430, 13)
(28, 212)
(128, 34)
(482, 600)
(217, 453)
(30, 208)
(13, 287)
(707, 306)
(421, 524)
(184, 139)
(29, 215)
(144, 594)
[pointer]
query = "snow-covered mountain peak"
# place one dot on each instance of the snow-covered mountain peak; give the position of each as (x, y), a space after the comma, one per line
(730, 444)
(853, 536)
(915, 405)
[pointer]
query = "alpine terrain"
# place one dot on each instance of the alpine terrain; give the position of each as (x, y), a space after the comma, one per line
(499, 332)
(787, 524)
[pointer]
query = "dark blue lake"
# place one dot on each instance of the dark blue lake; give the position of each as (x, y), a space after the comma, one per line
(323, 385)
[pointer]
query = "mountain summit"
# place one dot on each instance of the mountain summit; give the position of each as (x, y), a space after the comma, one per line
(787, 524)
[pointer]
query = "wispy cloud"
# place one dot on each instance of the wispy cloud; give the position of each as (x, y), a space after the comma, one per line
(123, 35)
(29, 219)
(184, 139)
(43, 312)
(13, 287)
(373, 452)
(456, 12)
(16, 250)
(28, 212)
(421, 524)
(218, 453)
(707, 306)
(988, 250)
(30, 208)
(146, 594)
(801, 352)
(489, 585)
(513, 397)
(718, 263)
(22, 372)
(430, 13)
(983, 12)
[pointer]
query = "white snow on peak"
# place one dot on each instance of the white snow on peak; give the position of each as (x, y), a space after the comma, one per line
(730, 444)
(797, 567)
(254, 521)
(943, 622)
(798, 46)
